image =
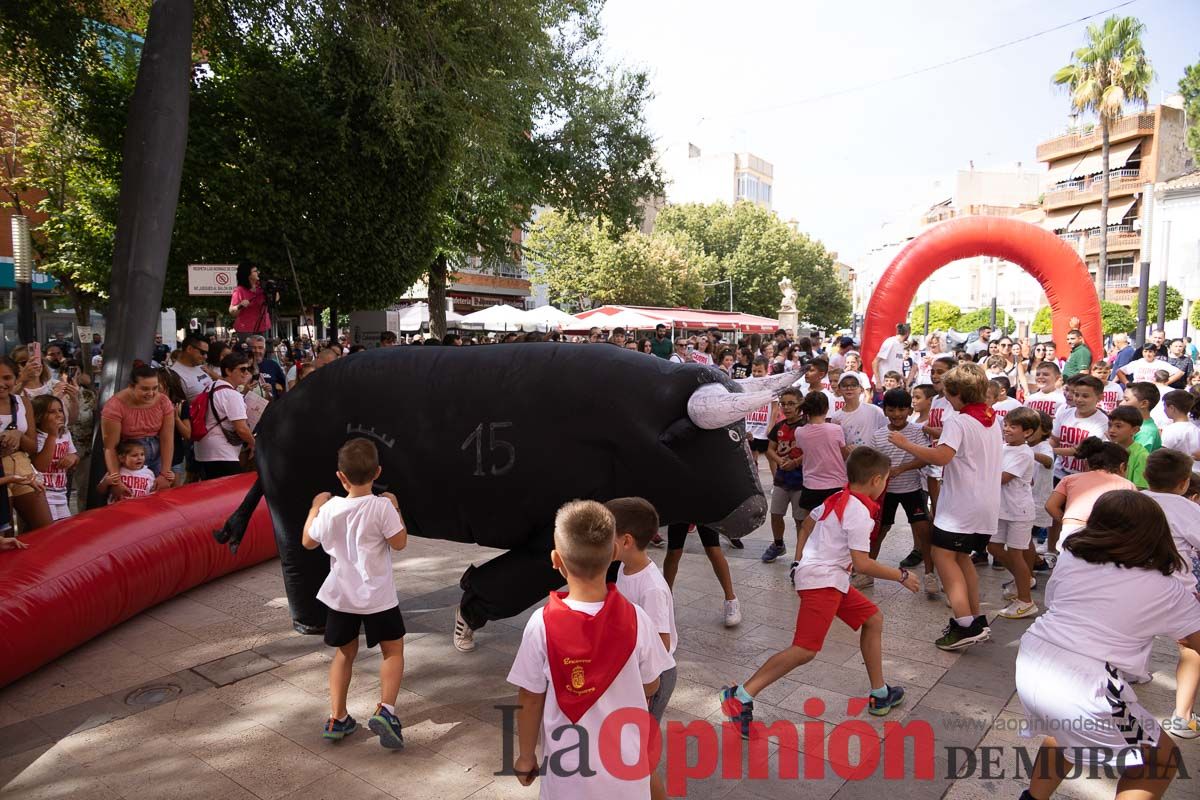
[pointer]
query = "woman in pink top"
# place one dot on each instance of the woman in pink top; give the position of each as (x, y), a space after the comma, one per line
(823, 449)
(249, 302)
(141, 413)
(1072, 500)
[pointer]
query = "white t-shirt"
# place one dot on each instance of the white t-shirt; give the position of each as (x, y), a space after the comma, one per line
(861, 423)
(55, 480)
(891, 357)
(1184, 437)
(1184, 518)
(970, 498)
(531, 671)
(1143, 370)
(1016, 496)
(1070, 429)
(758, 422)
(1113, 394)
(940, 410)
(1159, 412)
(1004, 406)
(354, 532)
(139, 482)
(826, 559)
(1047, 402)
(649, 591)
(195, 380)
(1043, 484)
(232, 407)
(1112, 613)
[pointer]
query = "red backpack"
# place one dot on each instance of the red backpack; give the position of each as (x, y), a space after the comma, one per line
(198, 412)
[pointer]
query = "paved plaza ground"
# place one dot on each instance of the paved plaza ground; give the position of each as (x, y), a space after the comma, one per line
(211, 695)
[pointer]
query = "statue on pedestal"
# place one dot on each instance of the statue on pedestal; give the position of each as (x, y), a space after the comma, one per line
(789, 295)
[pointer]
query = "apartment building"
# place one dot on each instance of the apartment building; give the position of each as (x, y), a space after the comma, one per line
(698, 177)
(1144, 148)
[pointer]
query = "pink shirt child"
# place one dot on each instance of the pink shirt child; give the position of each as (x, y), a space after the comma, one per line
(824, 467)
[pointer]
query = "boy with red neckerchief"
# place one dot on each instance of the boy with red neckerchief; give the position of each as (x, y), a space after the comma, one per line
(586, 654)
(970, 454)
(834, 538)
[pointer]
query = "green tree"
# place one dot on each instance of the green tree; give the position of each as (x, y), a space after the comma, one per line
(1042, 322)
(983, 316)
(1105, 74)
(752, 247)
(1116, 318)
(1189, 87)
(1174, 305)
(943, 316)
(1194, 316)
(584, 265)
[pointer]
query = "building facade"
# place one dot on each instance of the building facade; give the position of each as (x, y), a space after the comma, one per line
(1175, 242)
(697, 177)
(1144, 148)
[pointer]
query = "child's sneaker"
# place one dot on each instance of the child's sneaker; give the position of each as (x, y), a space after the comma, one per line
(956, 637)
(657, 540)
(733, 613)
(1010, 591)
(338, 729)
(737, 712)
(911, 560)
(1182, 728)
(774, 550)
(932, 588)
(464, 636)
(879, 706)
(386, 726)
(1018, 610)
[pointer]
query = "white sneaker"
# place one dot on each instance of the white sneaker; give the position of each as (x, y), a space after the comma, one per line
(733, 614)
(1182, 728)
(1018, 610)
(930, 582)
(861, 581)
(1010, 592)
(1041, 548)
(464, 636)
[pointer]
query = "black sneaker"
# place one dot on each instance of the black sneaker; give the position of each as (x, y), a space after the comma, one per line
(979, 559)
(736, 544)
(982, 622)
(737, 712)
(338, 729)
(911, 560)
(956, 637)
(386, 726)
(879, 706)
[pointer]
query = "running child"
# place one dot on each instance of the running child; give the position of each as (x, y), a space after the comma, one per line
(822, 451)
(1114, 392)
(55, 452)
(835, 538)
(359, 533)
(1181, 434)
(859, 420)
(586, 654)
(1074, 496)
(1169, 473)
(1113, 591)
(640, 582)
(1144, 397)
(132, 472)
(1014, 531)
(965, 520)
(785, 460)
(904, 488)
(760, 421)
(1123, 425)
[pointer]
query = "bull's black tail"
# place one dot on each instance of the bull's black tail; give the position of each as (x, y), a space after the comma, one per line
(234, 529)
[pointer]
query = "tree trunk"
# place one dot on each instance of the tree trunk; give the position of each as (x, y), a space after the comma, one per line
(151, 168)
(83, 313)
(1102, 267)
(437, 297)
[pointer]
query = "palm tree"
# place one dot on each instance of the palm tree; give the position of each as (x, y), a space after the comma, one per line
(1105, 74)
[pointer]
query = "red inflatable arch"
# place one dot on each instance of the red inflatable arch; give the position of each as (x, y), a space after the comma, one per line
(1055, 264)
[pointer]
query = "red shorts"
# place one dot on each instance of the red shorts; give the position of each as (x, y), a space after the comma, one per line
(818, 607)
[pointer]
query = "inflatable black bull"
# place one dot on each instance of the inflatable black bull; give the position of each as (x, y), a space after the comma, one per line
(484, 444)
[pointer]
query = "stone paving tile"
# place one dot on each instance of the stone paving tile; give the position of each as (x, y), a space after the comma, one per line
(21, 737)
(233, 668)
(293, 645)
(47, 774)
(341, 785)
(47, 689)
(269, 765)
(80, 717)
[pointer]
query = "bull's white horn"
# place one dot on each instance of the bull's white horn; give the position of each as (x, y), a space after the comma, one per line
(771, 383)
(712, 406)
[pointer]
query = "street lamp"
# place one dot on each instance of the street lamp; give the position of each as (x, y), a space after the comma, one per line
(718, 283)
(23, 275)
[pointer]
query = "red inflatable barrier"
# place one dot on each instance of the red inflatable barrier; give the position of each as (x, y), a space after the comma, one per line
(84, 575)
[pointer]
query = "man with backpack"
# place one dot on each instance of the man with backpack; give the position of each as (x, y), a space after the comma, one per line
(190, 366)
(219, 426)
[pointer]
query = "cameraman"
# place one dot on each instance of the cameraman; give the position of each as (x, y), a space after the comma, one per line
(249, 303)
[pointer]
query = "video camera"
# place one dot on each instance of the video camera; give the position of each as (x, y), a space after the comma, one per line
(272, 288)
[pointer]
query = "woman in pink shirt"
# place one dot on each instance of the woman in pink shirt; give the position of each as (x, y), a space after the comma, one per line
(141, 413)
(249, 303)
(823, 450)
(1072, 500)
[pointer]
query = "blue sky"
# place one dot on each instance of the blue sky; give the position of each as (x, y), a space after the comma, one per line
(730, 76)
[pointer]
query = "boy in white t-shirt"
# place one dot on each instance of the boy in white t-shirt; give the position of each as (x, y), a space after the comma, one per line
(859, 420)
(1077, 423)
(760, 420)
(1142, 370)
(586, 654)
(969, 507)
(133, 473)
(940, 410)
(834, 538)
(1015, 528)
(1169, 474)
(1043, 485)
(1048, 398)
(1180, 434)
(640, 582)
(359, 532)
(998, 399)
(1114, 392)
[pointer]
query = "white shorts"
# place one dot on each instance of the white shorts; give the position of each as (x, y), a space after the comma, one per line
(59, 512)
(1084, 703)
(1013, 534)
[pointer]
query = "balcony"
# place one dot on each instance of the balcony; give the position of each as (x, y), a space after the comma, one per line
(1123, 128)
(1120, 238)
(1087, 190)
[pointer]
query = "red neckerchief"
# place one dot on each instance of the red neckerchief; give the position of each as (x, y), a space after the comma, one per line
(836, 504)
(980, 412)
(586, 653)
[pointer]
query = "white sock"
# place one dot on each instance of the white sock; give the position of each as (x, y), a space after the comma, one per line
(390, 709)
(965, 621)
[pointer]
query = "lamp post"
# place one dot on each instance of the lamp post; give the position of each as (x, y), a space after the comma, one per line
(23, 274)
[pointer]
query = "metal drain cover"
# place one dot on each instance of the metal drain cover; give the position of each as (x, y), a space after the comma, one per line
(153, 694)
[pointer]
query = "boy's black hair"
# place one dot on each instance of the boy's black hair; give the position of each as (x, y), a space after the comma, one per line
(865, 463)
(1127, 414)
(1179, 400)
(926, 389)
(634, 516)
(897, 398)
(358, 459)
(816, 404)
(1145, 391)
(1166, 469)
(760, 361)
(1101, 455)
(1025, 418)
(1090, 381)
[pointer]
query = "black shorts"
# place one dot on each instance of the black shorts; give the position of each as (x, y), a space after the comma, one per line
(341, 628)
(959, 542)
(915, 505)
(759, 445)
(677, 534)
(811, 498)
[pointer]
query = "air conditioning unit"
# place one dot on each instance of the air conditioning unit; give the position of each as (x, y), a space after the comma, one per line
(1132, 281)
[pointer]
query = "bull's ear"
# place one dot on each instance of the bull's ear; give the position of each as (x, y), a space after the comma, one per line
(680, 431)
